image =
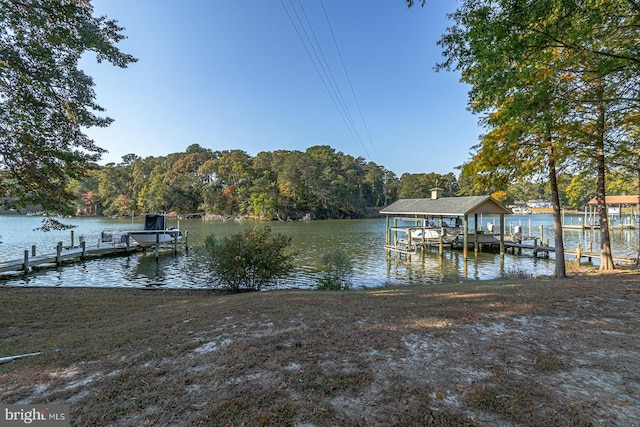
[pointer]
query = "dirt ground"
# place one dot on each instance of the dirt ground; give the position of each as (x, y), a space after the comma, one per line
(517, 352)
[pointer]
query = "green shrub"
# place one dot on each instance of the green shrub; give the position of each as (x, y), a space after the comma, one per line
(338, 271)
(250, 260)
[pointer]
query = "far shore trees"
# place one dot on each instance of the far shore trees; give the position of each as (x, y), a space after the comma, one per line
(319, 182)
(46, 101)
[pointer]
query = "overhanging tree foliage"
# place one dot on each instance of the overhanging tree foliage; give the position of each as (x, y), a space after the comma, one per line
(554, 81)
(46, 101)
(518, 93)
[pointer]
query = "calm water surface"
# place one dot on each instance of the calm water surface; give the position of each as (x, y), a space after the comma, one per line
(363, 239)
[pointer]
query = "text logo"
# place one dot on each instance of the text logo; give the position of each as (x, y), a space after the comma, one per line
(48, 415)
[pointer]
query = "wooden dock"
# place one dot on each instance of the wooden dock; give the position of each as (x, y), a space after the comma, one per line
(589, 255)
(581, 226)
(70, 254)
(534, 247)
(527, 244)
(578, 253)
(66, 255)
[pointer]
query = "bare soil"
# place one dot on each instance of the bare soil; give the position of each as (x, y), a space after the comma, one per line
(520, 352)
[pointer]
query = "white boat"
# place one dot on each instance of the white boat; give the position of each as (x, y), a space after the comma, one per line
(155, 231)
(521, 210)
(432, 234)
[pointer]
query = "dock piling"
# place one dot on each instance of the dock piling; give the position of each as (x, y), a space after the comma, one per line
(175, 242)
(26, 261)
(59, 253)
(578, 253)
(33, 250)
(157, 247)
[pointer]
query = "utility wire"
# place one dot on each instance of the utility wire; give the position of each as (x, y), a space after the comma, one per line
(335, 42)
(316, 65)
(318, 59)
(331, 77)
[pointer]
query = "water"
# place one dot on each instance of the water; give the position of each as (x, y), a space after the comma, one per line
(363, 239)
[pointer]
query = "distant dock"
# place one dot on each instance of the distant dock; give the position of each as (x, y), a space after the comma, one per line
(578, 253)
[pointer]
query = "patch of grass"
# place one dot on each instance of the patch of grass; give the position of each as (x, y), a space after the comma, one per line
(525, 403)
(426, 417)
(547, 362)
(419, 412)
(241, 410)
(342, 383)
(515, 273)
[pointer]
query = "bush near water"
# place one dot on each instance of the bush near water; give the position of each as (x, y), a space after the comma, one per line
(250, 260)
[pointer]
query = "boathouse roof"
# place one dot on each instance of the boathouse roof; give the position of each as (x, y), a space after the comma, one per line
(617, 200)
(446, 206)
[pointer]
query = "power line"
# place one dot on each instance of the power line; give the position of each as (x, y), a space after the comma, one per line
(316, 54)
(335, 42)
(331, 77)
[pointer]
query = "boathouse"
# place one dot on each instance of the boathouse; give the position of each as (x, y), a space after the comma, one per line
(614, 209)
(435, 211)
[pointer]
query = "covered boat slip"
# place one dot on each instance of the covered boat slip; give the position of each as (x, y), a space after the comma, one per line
(451, 215)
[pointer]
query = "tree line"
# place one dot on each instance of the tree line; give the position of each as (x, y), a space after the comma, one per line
(316, 183)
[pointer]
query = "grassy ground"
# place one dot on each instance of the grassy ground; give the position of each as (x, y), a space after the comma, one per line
(537, 352)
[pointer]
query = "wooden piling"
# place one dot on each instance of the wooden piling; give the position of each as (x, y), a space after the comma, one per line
(465, 232)
(441, 240)
(157, 247)
(59, 253)
(26, 261)
(33, 250)
(476, 247)
(175, 242)
(578, 253)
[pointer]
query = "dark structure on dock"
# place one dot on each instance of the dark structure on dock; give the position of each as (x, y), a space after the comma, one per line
(457, 209)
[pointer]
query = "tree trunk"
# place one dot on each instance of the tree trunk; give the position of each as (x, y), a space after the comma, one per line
(560, 268)
(606, 259)
(638, 257)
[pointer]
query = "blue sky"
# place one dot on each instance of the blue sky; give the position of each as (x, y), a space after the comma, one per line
(236, 75)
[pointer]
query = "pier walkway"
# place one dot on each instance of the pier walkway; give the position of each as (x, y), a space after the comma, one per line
(66, 255)
(107, 247)
(576, 253)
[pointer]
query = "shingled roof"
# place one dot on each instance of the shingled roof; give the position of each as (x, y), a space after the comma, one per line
(446, 206)
(617, 200)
